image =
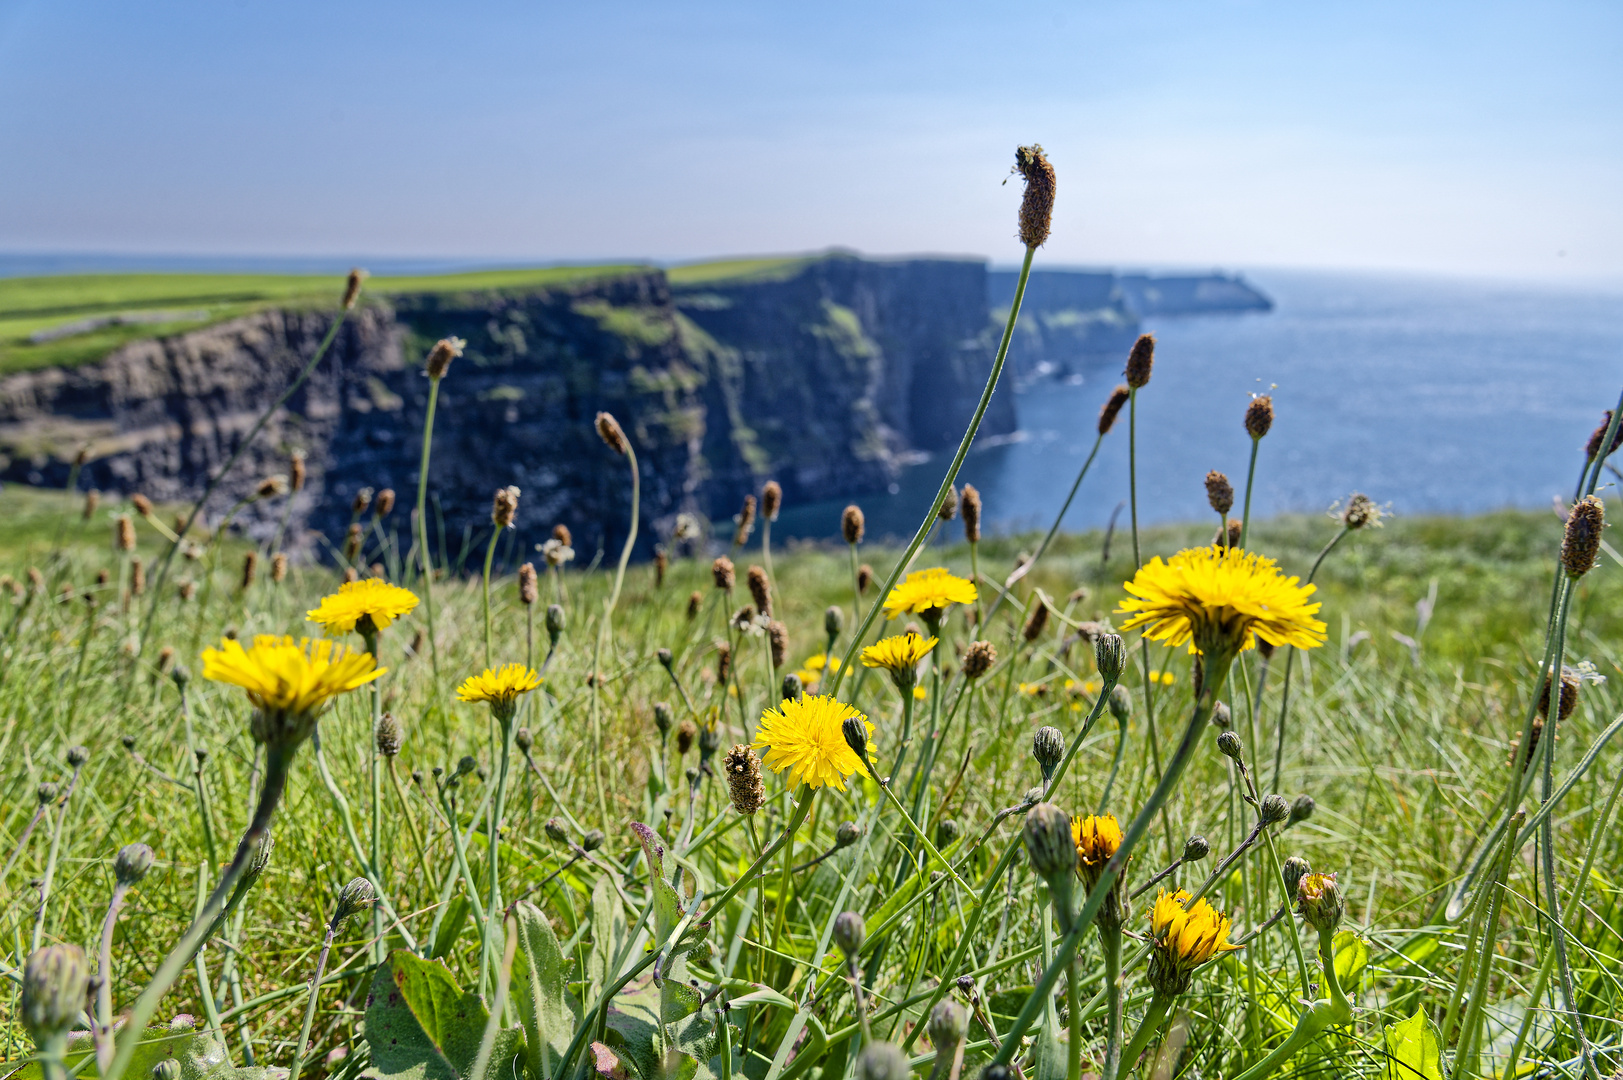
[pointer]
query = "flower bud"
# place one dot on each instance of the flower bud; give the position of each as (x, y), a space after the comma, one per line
(1274, 809)
(849, 932)
(833, 620)
(1121, 703)
(848, 833)
(1293, 870)
(131, 863)
(949, 1023)
(608, 429)
(1048, 841)
(1222, 716)
(852, 524)
(182, 675)
(556, 831)
(1048, 747)
(663, 720)
(167, 1069)
(855, 731)
(709, 741)
(466, 764)
(1033, 796)
(555, 623)
(995, 1071)
(686, 732)
(1110, 654)
(1319, 901)
(946, 831)
(77, 756)
(1259, 416)
(358, 894)
(793, 689)
(523, 739)
(1228, 743)
(1195, 849)
(56, 984)
(390, 735)
(1301, 810)
(1141, 361)
(592, 840)
(45, 794)
(978, 659)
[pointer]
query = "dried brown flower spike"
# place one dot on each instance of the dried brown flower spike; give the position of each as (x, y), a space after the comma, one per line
(978, 659)
(384, 506)
(746, 522)
(1219, 492)
(1141, 361)
(949, 504)
(744, 779)
(1598, 434)
(1112, 408)
(1037, 208)
(722, 572)
(608, 429)
(528, 588)
(296, 471)
(971, 506)
(864, 578)
(1581, 543)
(1259, 416)
(124, 533)
(852, 524)
(352, 287)
(661, 564)
(771, 500)
(760, 590)
(504, 507)
(441, 355)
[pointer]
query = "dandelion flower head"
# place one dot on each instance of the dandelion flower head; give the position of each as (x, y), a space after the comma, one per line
(899, 653)
(805, 739)
(371, 598)
(499, 687)
(1187, 935)
(1219, 600)
(294, 680)
(931, 590)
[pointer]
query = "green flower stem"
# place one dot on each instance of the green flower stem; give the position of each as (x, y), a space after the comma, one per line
(1073, 1010)
(278, 759)
(1110, 945)
(1465, 1056)
(495, 905)
(51, 859)
(459, 849)
(924, 841)
(1132, 471)
(211, 1011)
(796, 818)
(52, 1056)
(162, 575)
(504, 981)
(427, 584)
(341, 804)
(1154, 1017)
(490, 556)
(1321, 1016)
(947, 480)
(1245, 514)
(302, 1046)
(104, 989)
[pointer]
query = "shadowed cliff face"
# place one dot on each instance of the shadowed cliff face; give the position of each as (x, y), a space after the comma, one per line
(826, 378)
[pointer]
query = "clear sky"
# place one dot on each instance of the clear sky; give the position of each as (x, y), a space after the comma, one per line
(1474, 138)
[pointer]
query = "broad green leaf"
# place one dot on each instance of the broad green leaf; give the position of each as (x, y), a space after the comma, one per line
(456, 916)
(200, 1055)
(633, 1030)
(540, 993)
(607, 1065)
(1413, 1049)
(421, 1026)
(608, 935)
(1352, 956)
(678, 999)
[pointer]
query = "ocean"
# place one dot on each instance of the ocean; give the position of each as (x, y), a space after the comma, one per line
(1429, 394)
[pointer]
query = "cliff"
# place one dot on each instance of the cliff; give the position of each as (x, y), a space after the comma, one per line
(827, 374)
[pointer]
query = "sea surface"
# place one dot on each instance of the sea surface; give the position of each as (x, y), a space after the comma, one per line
(1428, 394)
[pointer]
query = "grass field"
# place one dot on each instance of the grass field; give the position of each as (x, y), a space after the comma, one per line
(1402, 747)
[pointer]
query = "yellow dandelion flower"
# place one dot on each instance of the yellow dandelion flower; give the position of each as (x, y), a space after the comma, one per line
(1185, 936)
(920, 693)
(369, 598)
(899, 653)
(1165, 678)
(926, 592)
(1219, 600)
(1097, 837)
(1092, 687)
(805, 738)
(500, 687)
(289, 683)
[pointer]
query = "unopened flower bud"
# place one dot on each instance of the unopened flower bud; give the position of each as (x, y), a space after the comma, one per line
(167, 1069)
(56, 985)
(523, 739)
(663, 720)
(1195, 849)
(78, 755)
(1319, 901)
(1110, 654)
(592, 840)
(793, 689)
(131, 863)
(45, 793)
(1033, 795)
(852, 524)
(556, 831)
(834, 620)
(1048, 841)
(1274, 809)
(664, 657)
(949, 1022)
(1121, 703)
(466, 764)
(1048, 747)
(995, 1071)
(1301, 810)
(848, 833)
(1222, 716)
(555, 623)
(1293, 870)
(849, 931)
(1228, 743)
(390, 735)
(946, 831)
(355, 896)
(855, 731)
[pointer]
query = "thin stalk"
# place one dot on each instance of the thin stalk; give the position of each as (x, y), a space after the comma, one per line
(490, 555)
(495, 904)
(104, 988)
(50, 862)
(1245, 515)
(1154, 1017)
(427, 584)
(1110, 945)
(303, 1045)
(1053, 530)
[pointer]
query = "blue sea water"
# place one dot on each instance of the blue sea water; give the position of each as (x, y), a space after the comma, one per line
(1433, 395)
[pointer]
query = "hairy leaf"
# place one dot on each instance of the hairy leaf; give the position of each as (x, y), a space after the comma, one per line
(421, 1026)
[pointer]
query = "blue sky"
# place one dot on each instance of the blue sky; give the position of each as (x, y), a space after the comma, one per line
(1469, 138)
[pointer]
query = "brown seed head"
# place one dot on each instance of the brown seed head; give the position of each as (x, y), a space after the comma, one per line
(608, 429)
(352, 543)
(296, 471)
(1360, 512)
(777, 636)
(440, 356)
(384, 506)
(722, 572)
(1219, 492)
(686, 732)
(279, 567)
(82, 456)
(504, 507)
(1571, 683)
(949, 505)
(771, 500)
(124, 533)
(1141, 361)
(724, 662)
(250, 567)
(1036, 622)
(760, 590)
(1259, 416)
(661, 563)
(1232, 539)
(864, 578)
(746, 522)
(271, 485)
(1112, 408)
(852, 524)
(37, 580)
(971, 506)
(187, 589)
(351, 574)
(363, 499)
(1599, 434)
(138, 577)
(744, 779)
(142, 504)
(528, 588)
(352, 287)
(1037, 208)
(166, 659)
(695, 601)
(92, 500)
(561, 533)
(978, 659)
(1581, 543)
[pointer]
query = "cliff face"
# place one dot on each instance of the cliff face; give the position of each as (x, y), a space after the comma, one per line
(826, 377)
